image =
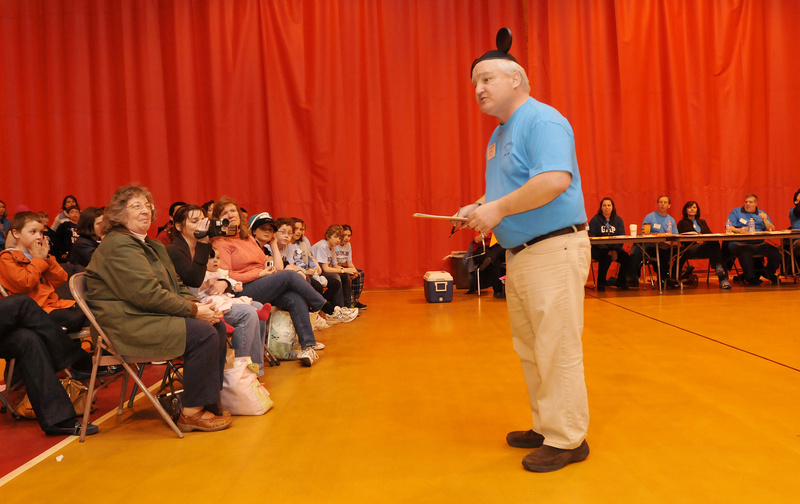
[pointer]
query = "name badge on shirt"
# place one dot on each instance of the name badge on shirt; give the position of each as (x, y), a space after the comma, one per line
(490, 152)
(656, 226)
(743, 220)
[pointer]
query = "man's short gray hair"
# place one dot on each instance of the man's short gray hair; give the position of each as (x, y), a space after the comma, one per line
(508, 67)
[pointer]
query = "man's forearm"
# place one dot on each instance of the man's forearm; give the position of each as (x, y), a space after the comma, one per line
(536, 192)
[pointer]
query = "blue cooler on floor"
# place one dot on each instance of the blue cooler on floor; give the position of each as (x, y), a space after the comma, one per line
(438, 287)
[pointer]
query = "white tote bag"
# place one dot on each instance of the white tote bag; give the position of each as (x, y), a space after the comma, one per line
(242, 393)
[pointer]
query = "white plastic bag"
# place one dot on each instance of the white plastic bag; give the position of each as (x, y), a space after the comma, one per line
(242, 393)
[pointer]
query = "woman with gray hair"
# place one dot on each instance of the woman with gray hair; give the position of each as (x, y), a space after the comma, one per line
(136, 295)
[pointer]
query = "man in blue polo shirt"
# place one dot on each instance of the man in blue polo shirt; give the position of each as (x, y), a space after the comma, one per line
(739, 221)
(660, 223)
(794, 219)
(534, 205)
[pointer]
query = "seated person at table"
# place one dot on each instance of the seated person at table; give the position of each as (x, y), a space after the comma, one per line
(794, 219)
(607, 223)
(710, 250)
(738, 220)
(660, 223)
(30, 269)
(42, 349)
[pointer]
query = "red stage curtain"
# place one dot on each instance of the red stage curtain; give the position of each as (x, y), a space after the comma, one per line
(362, 112)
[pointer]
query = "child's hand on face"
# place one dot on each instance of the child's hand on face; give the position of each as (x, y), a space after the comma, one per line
(238, 287)
(40, 250)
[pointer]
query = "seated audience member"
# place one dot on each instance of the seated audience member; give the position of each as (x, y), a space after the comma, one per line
(30, 269)
(69, 201)
(263, 229)
(291, 257)
(164, 232)
(324, 254)
(692, 223)
(607, 223)
(48, 232)
(5, 224)
(660, 223)
(245, 260)
(344, 258)
(284, 237)
(478, 252)
(208, 208)
(91, 230)
(745, 251)
(42, 349)
(302, 254)
(192, 258)
(66, 234)
(137, 297)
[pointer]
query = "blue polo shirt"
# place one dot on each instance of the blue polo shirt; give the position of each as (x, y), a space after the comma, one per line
(795, 221)
(536, 139)
(739, 219)
(658, 223)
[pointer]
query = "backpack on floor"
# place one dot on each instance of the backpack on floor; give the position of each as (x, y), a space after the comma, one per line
(282, 338)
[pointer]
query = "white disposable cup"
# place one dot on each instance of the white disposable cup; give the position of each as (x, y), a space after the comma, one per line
(633, 229)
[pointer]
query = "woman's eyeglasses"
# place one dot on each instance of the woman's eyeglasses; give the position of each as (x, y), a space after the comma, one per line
(137, 207)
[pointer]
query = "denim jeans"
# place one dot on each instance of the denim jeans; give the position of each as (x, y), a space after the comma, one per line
(288, 291)
(249, 332)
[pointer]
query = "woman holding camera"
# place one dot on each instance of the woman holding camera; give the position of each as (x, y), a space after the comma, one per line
(139, 300)
(190, 255)
(246, 262)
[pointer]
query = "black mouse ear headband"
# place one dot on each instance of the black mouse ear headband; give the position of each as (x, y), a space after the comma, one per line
(503, 42)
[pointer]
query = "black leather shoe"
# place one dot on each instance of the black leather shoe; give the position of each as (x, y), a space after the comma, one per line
(525, 439)
(500, 295)
(359, 305)
(74, 429)
(102, 372)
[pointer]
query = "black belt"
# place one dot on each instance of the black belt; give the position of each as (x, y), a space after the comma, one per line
(557, 232)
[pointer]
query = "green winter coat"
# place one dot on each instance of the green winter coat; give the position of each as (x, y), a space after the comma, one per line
(138, 299)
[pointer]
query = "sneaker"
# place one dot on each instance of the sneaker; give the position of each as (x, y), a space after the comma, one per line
(319, 346)
(342, 315)
(359, 305)
(724, 284)
(320, 323)
(307, 357)
(548, 458)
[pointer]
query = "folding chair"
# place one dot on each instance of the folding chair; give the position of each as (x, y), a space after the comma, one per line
(77, 285)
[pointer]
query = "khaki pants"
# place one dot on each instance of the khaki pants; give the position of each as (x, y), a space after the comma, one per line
(544, 289)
